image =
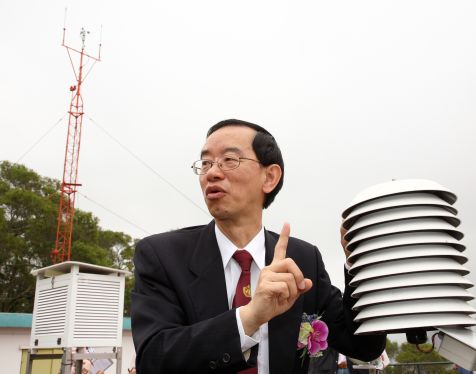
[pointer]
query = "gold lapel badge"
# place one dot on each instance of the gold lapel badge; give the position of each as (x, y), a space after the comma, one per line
(247, 291)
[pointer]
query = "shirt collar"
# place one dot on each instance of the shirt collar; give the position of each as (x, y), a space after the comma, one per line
(255, 247)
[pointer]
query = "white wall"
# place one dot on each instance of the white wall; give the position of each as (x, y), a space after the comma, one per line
(12, 339)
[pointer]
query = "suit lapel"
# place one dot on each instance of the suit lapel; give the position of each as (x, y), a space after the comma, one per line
(208, 291)
(283, 330)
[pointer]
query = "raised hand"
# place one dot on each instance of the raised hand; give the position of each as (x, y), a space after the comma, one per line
(279, 286)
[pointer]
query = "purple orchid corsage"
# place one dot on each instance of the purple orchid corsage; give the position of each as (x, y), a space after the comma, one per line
(312, 336)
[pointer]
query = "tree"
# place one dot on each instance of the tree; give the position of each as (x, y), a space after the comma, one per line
(28, 219)
(408, 353)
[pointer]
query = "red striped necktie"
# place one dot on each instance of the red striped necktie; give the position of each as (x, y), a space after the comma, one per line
(243, 288)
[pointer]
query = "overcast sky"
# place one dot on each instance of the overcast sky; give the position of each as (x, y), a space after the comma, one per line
(356, 93)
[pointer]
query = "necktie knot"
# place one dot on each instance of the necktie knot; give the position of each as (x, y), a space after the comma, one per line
(244, 259)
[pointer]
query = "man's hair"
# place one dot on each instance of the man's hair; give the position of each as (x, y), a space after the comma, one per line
(266, 149)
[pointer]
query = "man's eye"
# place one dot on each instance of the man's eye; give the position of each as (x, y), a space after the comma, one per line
(230, 161)
(206, 163)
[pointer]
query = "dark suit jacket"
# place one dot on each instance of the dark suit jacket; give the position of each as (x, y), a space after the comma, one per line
(181, 322)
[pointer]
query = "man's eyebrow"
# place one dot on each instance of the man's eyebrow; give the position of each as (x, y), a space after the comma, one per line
(233, 150)
(206, 152)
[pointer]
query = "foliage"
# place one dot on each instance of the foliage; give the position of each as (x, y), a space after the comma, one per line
(28, 219)
(392, 349)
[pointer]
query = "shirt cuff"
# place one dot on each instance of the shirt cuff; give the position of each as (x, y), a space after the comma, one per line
(246, 341)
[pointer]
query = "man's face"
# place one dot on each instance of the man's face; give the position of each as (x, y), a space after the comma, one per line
(236, 193)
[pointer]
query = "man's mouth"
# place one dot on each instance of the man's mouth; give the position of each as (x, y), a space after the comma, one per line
(214, 192)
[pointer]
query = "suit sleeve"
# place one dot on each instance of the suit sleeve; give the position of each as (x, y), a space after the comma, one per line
(339, 316)
(164, 338)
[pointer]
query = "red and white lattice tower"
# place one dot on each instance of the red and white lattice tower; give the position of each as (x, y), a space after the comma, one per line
(62, 250)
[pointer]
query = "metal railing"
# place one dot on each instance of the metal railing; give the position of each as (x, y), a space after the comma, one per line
(416, 367)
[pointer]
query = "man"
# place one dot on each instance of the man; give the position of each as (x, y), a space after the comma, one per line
(190, 309)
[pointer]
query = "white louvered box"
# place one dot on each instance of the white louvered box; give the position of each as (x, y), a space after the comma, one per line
(78, 305)
(407, 259)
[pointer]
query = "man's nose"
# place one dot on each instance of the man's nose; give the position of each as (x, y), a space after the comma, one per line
(214, 172)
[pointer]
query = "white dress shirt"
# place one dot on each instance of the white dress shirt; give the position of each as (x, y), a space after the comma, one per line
(232, 269)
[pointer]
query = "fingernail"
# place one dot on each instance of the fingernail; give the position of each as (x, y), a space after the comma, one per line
(302, 285)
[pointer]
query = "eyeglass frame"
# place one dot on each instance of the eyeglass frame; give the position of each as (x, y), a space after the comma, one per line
(220, 160)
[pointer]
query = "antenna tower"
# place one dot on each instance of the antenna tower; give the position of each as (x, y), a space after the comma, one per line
(62, 250)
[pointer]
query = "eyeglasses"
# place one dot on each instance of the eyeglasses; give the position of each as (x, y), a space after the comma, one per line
(225, 163)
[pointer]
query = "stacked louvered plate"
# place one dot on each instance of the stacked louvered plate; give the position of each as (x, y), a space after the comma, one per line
(407, 258)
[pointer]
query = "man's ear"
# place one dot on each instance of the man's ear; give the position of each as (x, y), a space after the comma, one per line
(273, 175)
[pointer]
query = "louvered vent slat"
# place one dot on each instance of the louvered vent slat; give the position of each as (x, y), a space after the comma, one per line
(97, 310)
(51, 311)
(58, 309)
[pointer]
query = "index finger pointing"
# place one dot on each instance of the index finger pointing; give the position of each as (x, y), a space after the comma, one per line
(282, 244)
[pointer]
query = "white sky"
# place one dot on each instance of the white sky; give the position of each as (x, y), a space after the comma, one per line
(356, 93)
